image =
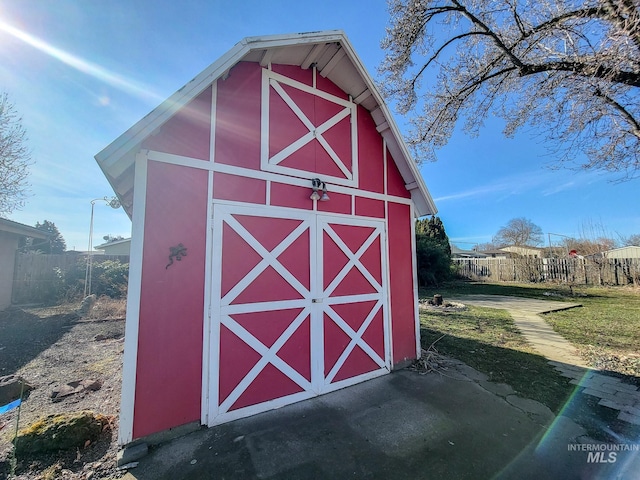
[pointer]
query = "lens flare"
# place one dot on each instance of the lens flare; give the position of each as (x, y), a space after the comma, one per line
(84, 66)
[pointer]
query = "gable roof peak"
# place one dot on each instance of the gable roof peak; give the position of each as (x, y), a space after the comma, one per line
(333, 57)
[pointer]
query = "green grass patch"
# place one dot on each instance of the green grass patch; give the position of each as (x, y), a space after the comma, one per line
(488, 340)
(605, 331)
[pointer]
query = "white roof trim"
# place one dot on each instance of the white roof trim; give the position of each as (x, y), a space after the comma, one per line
(128, 143)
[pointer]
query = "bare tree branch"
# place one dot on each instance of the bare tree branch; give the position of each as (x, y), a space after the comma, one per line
(15, 158)
(584, 69)
(534, 63)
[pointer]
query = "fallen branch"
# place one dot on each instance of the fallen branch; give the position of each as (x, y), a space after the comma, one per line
(430, 360)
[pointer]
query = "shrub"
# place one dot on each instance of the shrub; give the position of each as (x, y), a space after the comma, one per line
(433, 261)
(110, 279)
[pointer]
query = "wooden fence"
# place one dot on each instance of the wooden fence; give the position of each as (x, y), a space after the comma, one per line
(574, 271)
(38, 278)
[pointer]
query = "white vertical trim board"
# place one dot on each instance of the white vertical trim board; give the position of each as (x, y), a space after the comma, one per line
(267, 200)
(414, 262)
(387, 279)
(130, 357)
(214, 331)
(212, 134)
(385, 163)
(264, 119)
(354, 142)
(317, 330)
(206, 323)
(386, 303)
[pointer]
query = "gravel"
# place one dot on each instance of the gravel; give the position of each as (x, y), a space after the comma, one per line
(50, 348)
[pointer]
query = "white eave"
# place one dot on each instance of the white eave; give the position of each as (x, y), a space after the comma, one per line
(9, 226)
(334, 57)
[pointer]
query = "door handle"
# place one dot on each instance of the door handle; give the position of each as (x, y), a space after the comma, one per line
(316, 300)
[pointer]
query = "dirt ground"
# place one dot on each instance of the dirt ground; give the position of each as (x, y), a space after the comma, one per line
(49, 348)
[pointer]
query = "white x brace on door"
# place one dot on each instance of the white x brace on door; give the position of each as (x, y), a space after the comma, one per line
(298, 307)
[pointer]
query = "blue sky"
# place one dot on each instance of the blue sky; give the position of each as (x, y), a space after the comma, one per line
(82, 72)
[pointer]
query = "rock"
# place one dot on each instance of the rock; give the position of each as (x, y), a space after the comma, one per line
(61, 432)
(73, 388)
(108, 336)
(10, 388)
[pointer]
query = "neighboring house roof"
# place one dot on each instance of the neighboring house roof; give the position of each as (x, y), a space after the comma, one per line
(334, 57)
(496, 253)
(16, 228)
(459, 253)
(630, 251)
(523, 250)
(111, 244)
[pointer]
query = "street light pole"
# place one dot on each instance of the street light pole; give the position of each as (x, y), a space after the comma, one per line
(114, 203)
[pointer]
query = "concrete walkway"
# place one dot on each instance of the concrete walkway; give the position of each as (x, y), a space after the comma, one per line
(562, 355)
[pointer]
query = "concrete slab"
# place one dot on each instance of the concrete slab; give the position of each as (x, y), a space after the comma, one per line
(525, 313)
(501, 389)
(531, 406)
(516, 303)
(399, 426)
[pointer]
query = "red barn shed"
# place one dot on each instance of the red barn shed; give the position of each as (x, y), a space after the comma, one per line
(272, 254)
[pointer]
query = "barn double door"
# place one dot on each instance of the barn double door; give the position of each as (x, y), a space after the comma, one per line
(298, 308)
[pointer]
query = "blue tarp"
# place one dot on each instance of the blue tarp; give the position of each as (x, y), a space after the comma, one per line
(10, 406)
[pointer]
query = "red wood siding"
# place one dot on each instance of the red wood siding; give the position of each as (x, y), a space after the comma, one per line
(328, 86)
(369, 207)
(187, 132)
(370, 154)
(294, 72)
(239, 189)
(169, 368)
(238, 117)
(403, 326)
(395, 182)
(284, 195)
(338, 203)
